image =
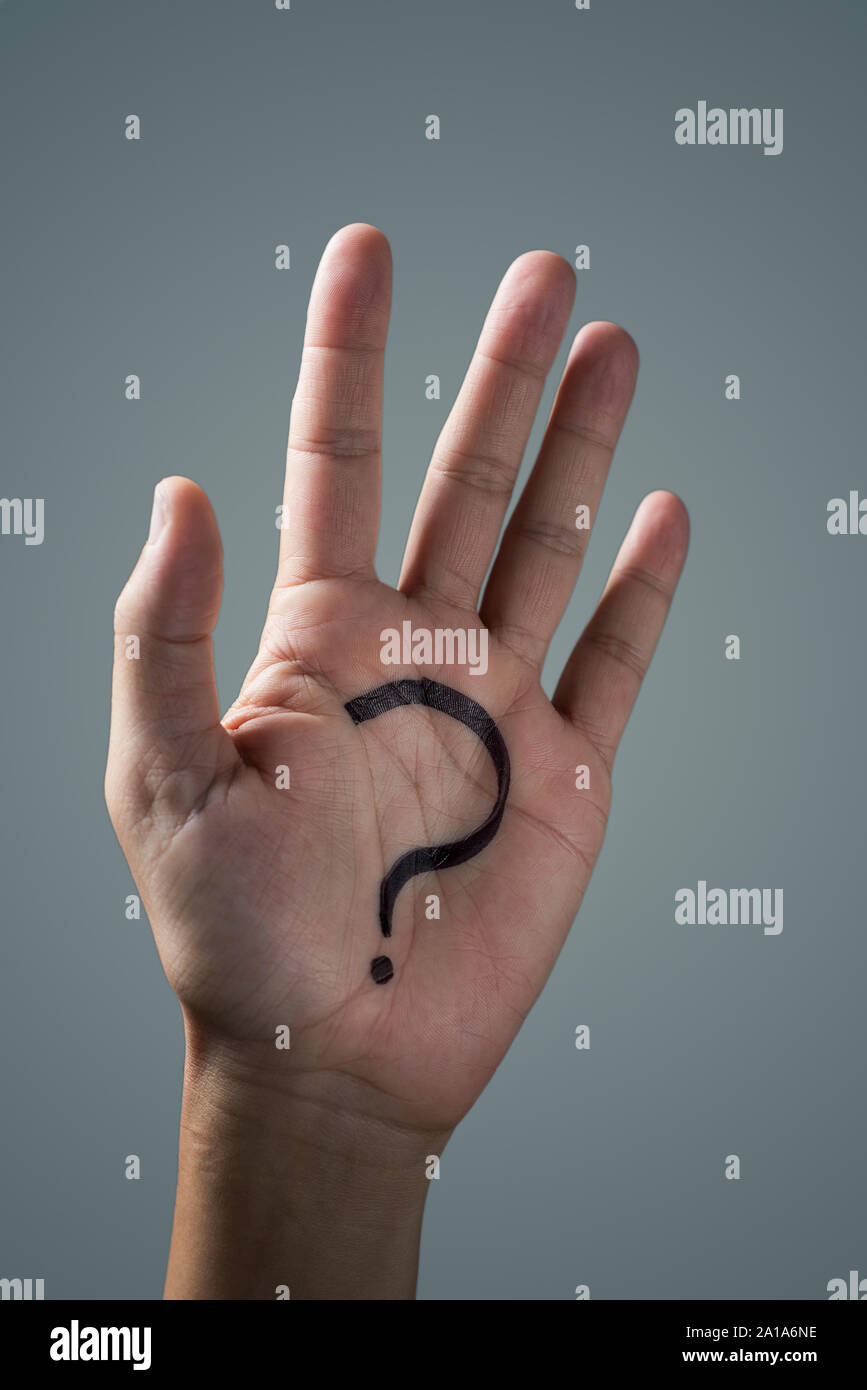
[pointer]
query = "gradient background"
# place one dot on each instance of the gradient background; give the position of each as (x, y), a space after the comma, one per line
(261, 127)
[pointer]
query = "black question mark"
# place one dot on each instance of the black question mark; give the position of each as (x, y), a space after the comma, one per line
(420, 861)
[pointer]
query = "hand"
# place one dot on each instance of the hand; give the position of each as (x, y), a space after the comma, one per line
(264, 897)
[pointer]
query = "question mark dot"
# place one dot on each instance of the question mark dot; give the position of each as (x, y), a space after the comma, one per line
(381, 969)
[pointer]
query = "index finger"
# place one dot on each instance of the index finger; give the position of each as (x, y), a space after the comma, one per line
(331, 496)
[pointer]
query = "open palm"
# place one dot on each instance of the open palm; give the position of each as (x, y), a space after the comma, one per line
(259, 841)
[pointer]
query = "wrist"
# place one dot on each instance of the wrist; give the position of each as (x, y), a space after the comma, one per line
(292, 1181)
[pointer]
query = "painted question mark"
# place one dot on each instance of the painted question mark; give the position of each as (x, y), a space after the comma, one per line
(420, 861)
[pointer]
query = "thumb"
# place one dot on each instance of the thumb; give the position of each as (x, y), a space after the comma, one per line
(166, 737)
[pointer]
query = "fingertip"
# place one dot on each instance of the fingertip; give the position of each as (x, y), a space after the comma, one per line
(602, 338)
(176, 586)
(545, 270)
(668, 509)
(530, 310)
(187, 514)
(361, 252)
(178, 483)
(359, 237)
(350, 300)
(661, 528)
(599, 377)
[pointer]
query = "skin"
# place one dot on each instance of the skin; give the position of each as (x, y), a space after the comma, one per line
(305, 1168)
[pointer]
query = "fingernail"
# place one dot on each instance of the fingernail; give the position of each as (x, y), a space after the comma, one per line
(158, 517)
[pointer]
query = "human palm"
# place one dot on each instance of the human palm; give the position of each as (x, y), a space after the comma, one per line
(259, 842)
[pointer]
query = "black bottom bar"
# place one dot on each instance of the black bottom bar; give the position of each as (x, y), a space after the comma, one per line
(60, 1338)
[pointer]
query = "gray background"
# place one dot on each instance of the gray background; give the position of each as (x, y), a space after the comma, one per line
(259, 127)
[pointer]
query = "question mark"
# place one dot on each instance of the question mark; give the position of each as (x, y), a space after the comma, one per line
(420, 861)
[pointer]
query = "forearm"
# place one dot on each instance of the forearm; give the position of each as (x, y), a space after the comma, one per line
(294, 1192)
